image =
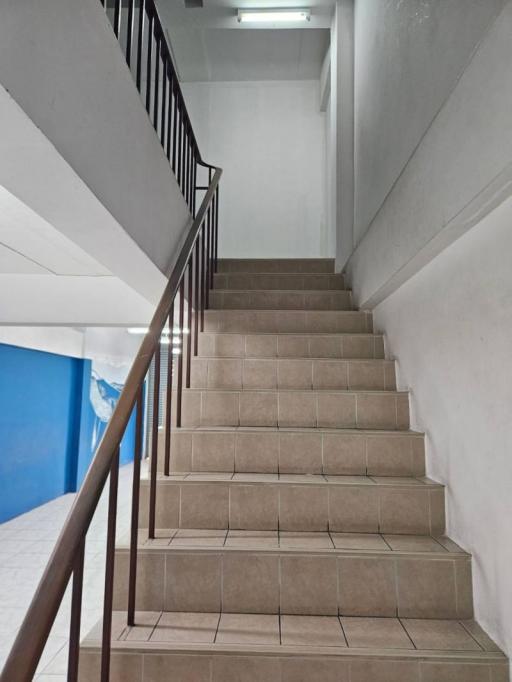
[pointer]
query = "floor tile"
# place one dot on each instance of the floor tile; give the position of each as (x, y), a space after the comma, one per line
(440, 634)
(186, 627)
(241, 628)
(386, 633)
(254, 539)
(413, 543)
(190, 537)
(357, 541)
(312, 631)
(294, 540)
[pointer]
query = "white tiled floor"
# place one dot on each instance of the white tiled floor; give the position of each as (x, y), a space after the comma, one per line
(25, 546)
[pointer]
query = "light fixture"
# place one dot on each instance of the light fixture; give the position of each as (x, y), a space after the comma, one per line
(273, 16)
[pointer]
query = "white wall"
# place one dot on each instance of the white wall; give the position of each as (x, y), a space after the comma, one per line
(450, 326)
(61, 63)
(461, 167)
(408, 57)
(269, 137)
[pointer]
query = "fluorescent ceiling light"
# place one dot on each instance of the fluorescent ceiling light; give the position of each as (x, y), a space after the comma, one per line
(273, 16)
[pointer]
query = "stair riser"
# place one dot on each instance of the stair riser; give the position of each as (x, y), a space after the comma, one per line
(288, 321)
(294, 409)
(356, 346)
(336, 454)
(280, 300)
(277, 265)
(179, 667)
(352, 508)
(293, 583)
(293, 374)
(248, 281)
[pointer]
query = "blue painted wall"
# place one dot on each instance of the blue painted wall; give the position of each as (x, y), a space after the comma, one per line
(46, 427)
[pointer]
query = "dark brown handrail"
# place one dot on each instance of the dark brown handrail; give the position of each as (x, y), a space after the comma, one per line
(30, 641)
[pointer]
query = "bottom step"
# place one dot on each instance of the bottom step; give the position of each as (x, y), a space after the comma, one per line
(213, 647)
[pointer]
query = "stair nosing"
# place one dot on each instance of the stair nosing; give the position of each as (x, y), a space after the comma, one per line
(299, 551)
(210, 478)
(279, 650)
(298, 429)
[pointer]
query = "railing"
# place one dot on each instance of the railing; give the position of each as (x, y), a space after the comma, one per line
(190, 281)
(138, 27)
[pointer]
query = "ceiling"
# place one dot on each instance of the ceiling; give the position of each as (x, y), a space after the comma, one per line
(210, 45)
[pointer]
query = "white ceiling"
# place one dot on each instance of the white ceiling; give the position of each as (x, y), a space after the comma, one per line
(210, 45)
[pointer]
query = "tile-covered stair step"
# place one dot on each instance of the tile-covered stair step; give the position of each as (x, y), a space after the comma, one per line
(286, 373)
(294, 408)
(288, 321)
(295, 451)
(340, 346)
(194, 570)
(228, 299)
(226, 647)
(309, 281)
(277, 265)
(297, 502)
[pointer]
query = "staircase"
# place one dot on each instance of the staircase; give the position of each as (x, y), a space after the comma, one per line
(298, 537)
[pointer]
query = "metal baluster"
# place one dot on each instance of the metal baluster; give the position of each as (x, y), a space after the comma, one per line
(180, 356)
(180, 125)
(164, 100)
(154, 444)
(203, 273)
(217, 229)
(169, 115)
(129, 32)
(183, 151)
(189, 317)
(157, 80)
(140, 38)
(170, 358)
(207, 278)
(174, 126)
(134, 528)
(194, 185)
(148, 61)
(196, 299)
(76, 614)
(109, 569)
(117, 17)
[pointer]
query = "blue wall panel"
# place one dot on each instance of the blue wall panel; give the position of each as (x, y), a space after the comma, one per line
(40, 395)
(51, 421)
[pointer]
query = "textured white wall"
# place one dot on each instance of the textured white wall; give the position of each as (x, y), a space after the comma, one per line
(408, 57)
(460, 170)
(450, 327)
(269, 137)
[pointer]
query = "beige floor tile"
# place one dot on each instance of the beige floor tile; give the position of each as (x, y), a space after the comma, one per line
(440, 634)
(308, 585)
(145, 622)
(196, 537)
(368, 541)
(294, 540)
(158, 667)
(245, 669)
(311, 631)
(243, 628)
(413, 543)
(250, 583)
(367, 586)
(303, 508)
(253, 539)
(186, 628)
(378, 633)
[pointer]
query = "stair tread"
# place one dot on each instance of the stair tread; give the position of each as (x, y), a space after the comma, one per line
(169, 631)
(298, 429)
(281, 291)
(289, 542)
(299, 479)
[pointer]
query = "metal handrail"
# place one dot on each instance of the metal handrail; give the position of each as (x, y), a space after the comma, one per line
(196, 264)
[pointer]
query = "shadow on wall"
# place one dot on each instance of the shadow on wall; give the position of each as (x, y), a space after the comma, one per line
(53, 412)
